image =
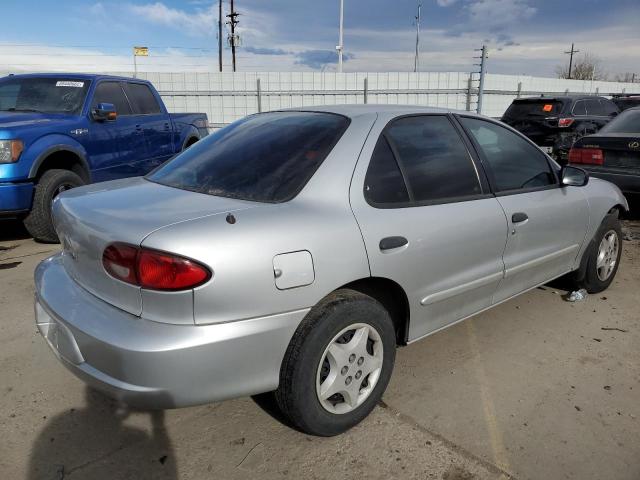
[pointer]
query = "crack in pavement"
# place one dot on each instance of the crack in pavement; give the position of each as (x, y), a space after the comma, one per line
(26, 255)
(454, 446)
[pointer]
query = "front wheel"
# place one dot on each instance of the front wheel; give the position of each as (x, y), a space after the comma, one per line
(604, 256)
(53, 182)
(338, 364)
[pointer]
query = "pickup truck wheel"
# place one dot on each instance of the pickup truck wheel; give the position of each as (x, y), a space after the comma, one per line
(338, 364)
(53, 182)
(604, 257)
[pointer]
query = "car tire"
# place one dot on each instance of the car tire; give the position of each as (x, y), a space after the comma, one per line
(39, 222)
(329, 346)
(604, 256)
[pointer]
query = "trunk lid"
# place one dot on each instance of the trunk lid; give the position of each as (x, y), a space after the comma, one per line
(88, 219)
(617, 150)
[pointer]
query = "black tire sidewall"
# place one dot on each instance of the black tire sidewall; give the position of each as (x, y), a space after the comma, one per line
(298, 378)
(592, 283)
(39, 222)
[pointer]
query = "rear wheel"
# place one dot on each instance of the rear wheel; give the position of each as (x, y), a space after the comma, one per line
(338, 364)
(53, 182)
(604, 256)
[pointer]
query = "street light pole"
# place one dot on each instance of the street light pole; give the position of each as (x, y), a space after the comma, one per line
(340, 46)
(416, 63)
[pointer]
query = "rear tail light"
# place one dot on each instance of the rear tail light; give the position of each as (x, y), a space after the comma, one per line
(151, 269)
(589, 156)
(565, 122)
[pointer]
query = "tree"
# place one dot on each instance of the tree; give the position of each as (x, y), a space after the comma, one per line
(627, 77)
(585, 67)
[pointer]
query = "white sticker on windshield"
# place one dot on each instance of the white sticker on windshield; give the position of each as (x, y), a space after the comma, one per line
(66, 83)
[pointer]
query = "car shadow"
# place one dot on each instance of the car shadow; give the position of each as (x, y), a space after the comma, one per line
(87, 442)
(11, 229)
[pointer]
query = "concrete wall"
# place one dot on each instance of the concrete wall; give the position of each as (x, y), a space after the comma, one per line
(227, 96)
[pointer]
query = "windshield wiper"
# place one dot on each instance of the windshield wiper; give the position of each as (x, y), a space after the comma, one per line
(13, 109)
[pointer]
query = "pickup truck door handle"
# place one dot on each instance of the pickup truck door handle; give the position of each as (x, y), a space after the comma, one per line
(389, 243)
(519, 217)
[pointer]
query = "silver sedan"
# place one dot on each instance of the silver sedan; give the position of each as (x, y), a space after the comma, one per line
(292, 251)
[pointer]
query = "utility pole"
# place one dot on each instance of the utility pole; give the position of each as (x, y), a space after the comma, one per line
(570, 53)
(220, 35)
(340, 45)
(416, 63)
(233, 21)
(482, 65)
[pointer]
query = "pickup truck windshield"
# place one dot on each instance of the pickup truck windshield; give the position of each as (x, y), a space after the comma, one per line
(267, 157)
(43, 95)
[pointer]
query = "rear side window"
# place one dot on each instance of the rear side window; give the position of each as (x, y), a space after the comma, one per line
(515, 164)
(594, 107)
(111, 92)
(383, 183)
(142, 99)
(433, 157)
(267, 157)
(579, 108)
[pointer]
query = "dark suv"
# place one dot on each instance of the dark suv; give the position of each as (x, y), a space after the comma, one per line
(555, 123)
(626, 100)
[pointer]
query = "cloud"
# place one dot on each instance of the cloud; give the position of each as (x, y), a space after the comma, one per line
(266, 51)
(446, 3)
(498, 14)
(202, 21)
(319, 59)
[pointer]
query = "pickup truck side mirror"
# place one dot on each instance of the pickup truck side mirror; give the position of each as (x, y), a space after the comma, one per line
(574, 176)
(103, 112)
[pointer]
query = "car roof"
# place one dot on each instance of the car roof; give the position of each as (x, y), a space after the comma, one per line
(79, 76)
(356, 110)
(562, 98)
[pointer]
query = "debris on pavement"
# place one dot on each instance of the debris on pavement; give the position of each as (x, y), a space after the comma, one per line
(576, 295)
(614, 329)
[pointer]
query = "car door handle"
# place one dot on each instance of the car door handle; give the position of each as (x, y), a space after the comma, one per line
(138, 128)
(519, 217)
(166, 126)
(389, 243)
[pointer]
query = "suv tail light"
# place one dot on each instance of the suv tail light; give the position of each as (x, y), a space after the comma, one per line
(589, 156)
(565, 122)
(152, 269)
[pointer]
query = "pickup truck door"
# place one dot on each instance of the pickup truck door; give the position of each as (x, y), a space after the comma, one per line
(157, 125)
(116, 148)
(428, 220)
(547, 222)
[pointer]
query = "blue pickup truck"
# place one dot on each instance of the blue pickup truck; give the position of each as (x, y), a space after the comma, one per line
(59, 131)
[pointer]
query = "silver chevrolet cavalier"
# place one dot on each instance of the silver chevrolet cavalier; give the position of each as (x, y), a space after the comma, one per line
(292, 251)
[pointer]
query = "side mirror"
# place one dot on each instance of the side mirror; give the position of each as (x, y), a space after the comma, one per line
(104, 112)
(574, 176)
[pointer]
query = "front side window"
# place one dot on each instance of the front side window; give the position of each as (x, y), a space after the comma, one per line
(267, 157)
(142, 99)
(433, 158)
(515, 164)
(42, 94)
(111, 92)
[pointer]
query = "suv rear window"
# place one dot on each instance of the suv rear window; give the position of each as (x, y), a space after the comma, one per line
(535, 108)
(627, 122)
(267, 157)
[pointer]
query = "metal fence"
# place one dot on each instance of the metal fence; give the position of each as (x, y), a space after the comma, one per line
(226, 97)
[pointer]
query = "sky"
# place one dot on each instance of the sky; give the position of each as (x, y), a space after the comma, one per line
(523, 36)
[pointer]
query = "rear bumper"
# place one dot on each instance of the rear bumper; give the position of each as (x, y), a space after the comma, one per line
(627, 183)
(15, 197)
(155, 365)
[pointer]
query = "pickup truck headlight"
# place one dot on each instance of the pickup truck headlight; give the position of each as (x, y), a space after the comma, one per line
(10, 150)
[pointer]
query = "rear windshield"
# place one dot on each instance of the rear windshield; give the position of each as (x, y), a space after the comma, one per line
(267, 157)
(528, 108)
(627, 122)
